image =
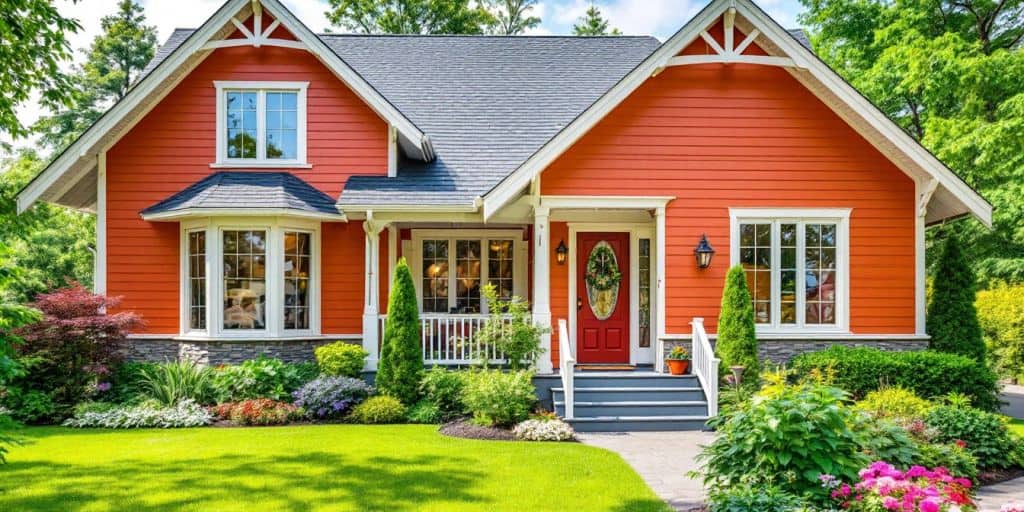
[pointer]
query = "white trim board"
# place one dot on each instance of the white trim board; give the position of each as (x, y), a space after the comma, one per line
(849, 104)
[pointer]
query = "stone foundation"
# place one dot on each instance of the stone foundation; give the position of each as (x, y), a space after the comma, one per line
(782, 351)
(222, 352)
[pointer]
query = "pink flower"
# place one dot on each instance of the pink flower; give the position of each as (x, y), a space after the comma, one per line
(930, 505)
(891, 503)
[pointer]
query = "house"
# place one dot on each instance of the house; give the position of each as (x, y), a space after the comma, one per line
(256, 187)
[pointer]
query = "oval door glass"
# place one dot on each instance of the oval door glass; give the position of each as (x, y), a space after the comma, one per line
(603, 276)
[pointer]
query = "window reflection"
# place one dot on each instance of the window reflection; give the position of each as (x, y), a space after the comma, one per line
(245, 287)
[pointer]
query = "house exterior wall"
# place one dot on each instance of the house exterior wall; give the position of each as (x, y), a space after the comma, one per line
(716, 137)
(173, 147)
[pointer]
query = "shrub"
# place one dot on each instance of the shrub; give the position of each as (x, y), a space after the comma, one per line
(1001, 315)
(895, 403)
(6, 440)
(257, 412)
(126, 382)
(757, 443)
(745, 498)
(510, 330)
(737, 339)
(262, 377)
(952, 320)
(443, 389)
(885, 440)
(86, 407)
(424, 412)
(72, 348)
(379, 409)
(882, 487)
(544, 430)
(29, 406)
(401, 358)
(148, 415)
(340, 359)
(985, 434)
(951, 456)
(170, 383)
(331, 397)
(928, 374)
(499, 398)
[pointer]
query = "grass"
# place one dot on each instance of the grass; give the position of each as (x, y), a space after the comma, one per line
(1017, 426)
(328, 467)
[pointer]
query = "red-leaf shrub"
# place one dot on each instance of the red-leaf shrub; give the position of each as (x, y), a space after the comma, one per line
(69, 352)
(258, 411)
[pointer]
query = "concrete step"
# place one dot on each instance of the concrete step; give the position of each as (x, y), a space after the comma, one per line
(626, 394)
(638, 423)
(632, 379)
(636, 408)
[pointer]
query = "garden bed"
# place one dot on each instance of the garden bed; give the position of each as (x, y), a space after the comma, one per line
(466, 429)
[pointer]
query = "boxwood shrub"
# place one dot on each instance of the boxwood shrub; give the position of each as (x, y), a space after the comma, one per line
(929, 374)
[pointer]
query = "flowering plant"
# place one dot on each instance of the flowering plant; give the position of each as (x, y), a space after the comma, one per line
(257, 411)
(331, 397)
(544, 430)
(1012, 507)
(883, 488)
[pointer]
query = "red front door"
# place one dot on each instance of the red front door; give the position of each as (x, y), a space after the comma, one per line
(602, 297)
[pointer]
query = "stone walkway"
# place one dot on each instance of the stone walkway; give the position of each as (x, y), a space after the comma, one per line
(662, 459)
(991, 498)
(1014, 398)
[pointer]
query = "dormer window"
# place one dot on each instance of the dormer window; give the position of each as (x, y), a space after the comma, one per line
(261, 124)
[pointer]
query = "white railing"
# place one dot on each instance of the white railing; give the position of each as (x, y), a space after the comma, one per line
(705, 365)
(566, 367)
(451, 339)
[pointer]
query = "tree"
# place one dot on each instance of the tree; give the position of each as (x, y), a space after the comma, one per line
(592, 23)
(948, 72)
(512, 17)
(410, 16)
(12, 316)
(737, 338)
(113, 62)
(952, 321)
(33, 44)
(401, 358)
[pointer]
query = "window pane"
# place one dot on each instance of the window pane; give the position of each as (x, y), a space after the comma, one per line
(645, 292)
(499, 267)
(241, 124)
(197, 279)
(787, 273)
(297, 256)
(245, 287)
(435, 276)
(755, 256)
(467, 276)
(282, 136)
(820, 276)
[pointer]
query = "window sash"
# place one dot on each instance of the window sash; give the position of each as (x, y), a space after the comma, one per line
(196, 280)
(453, 276)
(262, 89)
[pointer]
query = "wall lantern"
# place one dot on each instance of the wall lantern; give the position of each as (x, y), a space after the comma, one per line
(560, 252)
(704, 252)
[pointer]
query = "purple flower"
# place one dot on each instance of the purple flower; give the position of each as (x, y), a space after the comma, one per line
(103, 386)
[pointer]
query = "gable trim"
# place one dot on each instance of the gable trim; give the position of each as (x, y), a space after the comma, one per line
(804, 63)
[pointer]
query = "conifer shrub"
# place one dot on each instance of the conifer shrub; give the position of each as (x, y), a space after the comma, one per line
(737, 339)
(952, 321)
(401, 358)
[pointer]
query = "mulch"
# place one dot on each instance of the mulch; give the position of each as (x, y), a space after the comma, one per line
(997, 476)
(466, 429)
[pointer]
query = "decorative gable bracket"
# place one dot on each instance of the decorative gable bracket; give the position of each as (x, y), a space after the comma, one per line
(257, 36)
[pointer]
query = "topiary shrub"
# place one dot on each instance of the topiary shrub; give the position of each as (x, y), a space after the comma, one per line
(443, 389)
(929, 374)
(985, 434)
(500, 398)
(401, 356)
(737, 339)
(1001, 315)
(377, 410)
(952, 321)
(340, 359)
(895, 403)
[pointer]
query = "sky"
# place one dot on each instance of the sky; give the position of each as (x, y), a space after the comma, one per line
(660, 18)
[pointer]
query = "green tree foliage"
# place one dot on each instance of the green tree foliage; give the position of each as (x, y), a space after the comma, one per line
(512, 17)
(112, 64)
(401, 358)
(593, 23)
(410, 16)
(952, 320)
(33, 44)
(12, 316)
(510, 329)
(1001, 315)
(737, 339)
(948, 72)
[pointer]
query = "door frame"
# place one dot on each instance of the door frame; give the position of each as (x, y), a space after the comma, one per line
(636, 231)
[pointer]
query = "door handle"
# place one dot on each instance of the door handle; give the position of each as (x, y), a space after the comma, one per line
(579, 304)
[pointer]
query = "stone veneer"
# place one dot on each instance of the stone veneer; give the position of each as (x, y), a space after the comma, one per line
(217, 352)
(782, 351)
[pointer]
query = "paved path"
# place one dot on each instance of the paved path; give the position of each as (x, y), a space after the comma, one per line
(1015, 396)
(991, 498)
(662, 459)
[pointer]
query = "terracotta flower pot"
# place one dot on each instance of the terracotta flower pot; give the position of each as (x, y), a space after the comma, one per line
(678, 366)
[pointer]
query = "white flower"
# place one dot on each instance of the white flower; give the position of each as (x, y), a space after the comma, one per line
(544, 430)
(186, 413)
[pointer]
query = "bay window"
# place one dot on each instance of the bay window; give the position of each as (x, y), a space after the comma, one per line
(453, 267)
(259, 278)
(796, 264)
(261, 123)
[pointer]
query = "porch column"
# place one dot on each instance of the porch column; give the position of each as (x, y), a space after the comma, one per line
(659, 278)
(371, 289)
(542, 284)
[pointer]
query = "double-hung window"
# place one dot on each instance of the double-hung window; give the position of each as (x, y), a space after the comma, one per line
(261, 123)
(796, 265)
(454, 267)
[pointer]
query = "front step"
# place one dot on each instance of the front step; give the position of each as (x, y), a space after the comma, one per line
(638, 423)
(639, 408)
(633, 379)
(631, 394)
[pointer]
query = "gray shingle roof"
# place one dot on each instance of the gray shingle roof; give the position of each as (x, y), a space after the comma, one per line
(251, 190)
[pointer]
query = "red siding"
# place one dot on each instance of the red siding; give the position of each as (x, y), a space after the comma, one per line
(559, 286)
(718, 136)
(173, 146)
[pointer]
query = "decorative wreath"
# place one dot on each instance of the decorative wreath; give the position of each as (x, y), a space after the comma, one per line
(602, 271)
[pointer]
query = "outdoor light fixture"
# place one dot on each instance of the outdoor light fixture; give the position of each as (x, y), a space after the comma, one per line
(704, 252)
(560, 252)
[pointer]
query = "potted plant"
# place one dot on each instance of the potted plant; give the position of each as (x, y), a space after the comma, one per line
(678, 360)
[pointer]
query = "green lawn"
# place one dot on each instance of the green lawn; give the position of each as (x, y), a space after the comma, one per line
(1017, 426)
(330, 467)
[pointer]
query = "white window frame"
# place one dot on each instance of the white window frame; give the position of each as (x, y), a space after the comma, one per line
(275, 228)
(519, 268)
(261, 88)
(799, 216)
